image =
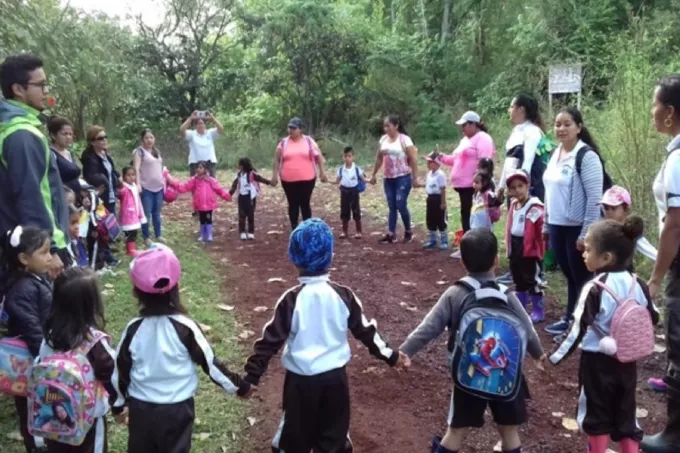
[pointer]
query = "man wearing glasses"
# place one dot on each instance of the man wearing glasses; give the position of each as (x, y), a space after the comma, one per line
(32, 192)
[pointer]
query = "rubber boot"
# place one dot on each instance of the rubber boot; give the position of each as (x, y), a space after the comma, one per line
(431, 240)
(208, 233)
(598, 444)
(345, 227)
(131, 249)
(523, 299)
(203, 235)
(668, 440)
(359, 231)
(629, 446)
(537, 308)
(437, 446)
(443, 240)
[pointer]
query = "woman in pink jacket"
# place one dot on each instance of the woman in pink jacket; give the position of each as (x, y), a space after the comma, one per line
(475, 145)
(131, 216)
(204, 188)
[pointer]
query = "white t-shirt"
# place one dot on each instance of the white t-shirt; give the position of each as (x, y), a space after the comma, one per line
(519, 218)
(202, 147)
(435, 182)
(557, 180)
(348, 176)
(667, 182)
(395, 160)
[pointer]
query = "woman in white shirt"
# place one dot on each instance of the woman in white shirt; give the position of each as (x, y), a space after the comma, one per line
(201, 140)
(666, 115)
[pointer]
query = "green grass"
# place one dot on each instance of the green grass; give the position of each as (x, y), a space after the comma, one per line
(220, 417)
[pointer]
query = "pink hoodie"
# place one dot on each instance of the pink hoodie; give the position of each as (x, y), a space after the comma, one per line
(131, 214)
(463, 161)
(204, 191)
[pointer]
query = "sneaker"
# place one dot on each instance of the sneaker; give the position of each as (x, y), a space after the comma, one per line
(161, 240)
(250, 236)
(387, 239)
(408, 237)
(657, 384)
(559, 327)
(244, 237)
(456, 255)
(148, 242)
(505, 279)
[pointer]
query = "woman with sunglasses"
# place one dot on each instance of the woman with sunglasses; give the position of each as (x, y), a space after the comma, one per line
(96, 161)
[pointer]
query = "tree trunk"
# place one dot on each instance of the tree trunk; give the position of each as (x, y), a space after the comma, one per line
(423, 16)
(393, 13)
(445, 21)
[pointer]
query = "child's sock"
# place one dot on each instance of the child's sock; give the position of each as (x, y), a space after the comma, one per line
(630, 446)
(598, 444)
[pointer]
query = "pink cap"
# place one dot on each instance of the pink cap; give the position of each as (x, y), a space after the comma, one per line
(153, 265)
(616, 196)
(517, 174)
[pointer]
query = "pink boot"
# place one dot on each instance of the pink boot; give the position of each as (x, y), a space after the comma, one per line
(598, 444)
(630, 446)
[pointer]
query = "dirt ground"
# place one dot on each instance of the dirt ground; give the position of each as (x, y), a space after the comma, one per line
(398, 284)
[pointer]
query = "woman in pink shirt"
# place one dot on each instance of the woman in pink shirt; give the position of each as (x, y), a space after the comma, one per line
(475, 145)
(296, 162)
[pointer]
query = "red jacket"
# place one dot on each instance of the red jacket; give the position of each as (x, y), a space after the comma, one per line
(534, 245)
(204, 190)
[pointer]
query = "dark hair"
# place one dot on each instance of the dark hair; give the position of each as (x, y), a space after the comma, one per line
(619, 239)
(30, 241)
(55, 124)
(531, 109)
(160, 304)
(584, 135)
(485, 164)
(481, 126)
(246, 164)
(98, 180)
(478, 250)
(486, 180)
(396, 121)
(348, 150)
(203, 163)
(669, 92)
(72, 210)
(77, 307)
(69, 421)
(15, 70)
(127, 169)
(154, 150)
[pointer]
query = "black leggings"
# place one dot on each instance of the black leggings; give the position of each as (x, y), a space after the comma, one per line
(246, 213)
(465, 194)
(299, 195)
(205, 217)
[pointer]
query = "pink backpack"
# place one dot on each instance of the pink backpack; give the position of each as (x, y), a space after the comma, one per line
(631, 330)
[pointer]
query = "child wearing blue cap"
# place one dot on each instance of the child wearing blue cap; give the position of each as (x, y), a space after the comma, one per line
(312, 320)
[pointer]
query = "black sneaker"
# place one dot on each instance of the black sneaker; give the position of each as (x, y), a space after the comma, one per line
(559, 327)
(387, 239)
(408, 237)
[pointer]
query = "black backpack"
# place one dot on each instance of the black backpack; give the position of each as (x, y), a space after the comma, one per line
(607, 182)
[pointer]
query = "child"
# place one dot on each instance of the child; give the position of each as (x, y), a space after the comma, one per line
(524, 243)
(70, 196)
(435, 187)
(155, 376)
(131, 215)
(76, 246)
(479, 254)
(101, 254)
(203, 188)
(350, 177)
(75, 321)
(607, 403)
(28, 297)
(485, 206)
(247, 183)
(313, 319)
(486, 165)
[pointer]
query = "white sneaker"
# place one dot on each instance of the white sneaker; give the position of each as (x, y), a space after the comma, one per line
(244, 236)
(456, 255)
(250, 236)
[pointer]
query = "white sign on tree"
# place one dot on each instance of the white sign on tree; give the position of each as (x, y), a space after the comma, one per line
(564, 79)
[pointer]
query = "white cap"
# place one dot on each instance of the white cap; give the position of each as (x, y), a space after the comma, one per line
(469, 117)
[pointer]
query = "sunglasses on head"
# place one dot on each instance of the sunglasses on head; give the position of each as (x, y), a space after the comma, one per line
(99, 139)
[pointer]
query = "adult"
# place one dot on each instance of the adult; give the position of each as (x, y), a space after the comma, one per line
(666, 114)
(398, 157)
(32, 192)
(476, 144)
(522, 145)
(148, 165)
(61, 139)
(571, 204)
(296, 162)
(201, 140)
(97, 161)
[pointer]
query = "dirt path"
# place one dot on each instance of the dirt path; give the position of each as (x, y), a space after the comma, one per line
(397, 284)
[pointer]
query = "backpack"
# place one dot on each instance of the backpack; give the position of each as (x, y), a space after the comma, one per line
(63, 394)
(15, 366)
(361, 184)
(109, 228)
(632, 329)
(489, 343)
(606, 179)
(284, 143)
(493, 211)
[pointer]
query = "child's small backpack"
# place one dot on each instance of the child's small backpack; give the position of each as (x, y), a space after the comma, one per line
(63, 394)
(109, 228)
(492, 207)
(631, 336)
(361, 184)
(488, 343)
(15, 366)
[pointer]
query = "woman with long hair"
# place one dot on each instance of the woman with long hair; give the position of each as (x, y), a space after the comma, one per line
(97, 161)
(148, 164)
(61, 139)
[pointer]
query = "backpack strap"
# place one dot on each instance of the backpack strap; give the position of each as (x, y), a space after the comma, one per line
(356, 169)
(311, 148)
(606, 288)
(87, 345)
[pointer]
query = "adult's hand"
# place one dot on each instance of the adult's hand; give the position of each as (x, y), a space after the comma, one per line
(654, 288)
(501, 195)
(580, 245)
(546, 237)
(275, 181)
(194, 115)
(373, 180)
(324, 178)
(56, 267)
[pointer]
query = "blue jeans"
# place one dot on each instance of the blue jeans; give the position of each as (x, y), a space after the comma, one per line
(152, 203)
(563, 242)
(396, 192)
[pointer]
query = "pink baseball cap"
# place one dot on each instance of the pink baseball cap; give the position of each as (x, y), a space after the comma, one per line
(616, 196)
(517, 174)
(153, 265)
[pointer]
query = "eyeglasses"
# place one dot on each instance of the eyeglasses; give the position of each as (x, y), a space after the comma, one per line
(101, 139)
(42, 85)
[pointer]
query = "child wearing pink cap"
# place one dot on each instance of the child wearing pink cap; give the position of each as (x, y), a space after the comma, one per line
(616, 203)
(155, 376)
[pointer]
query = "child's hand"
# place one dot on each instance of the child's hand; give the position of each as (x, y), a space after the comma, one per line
(540, 363)
(404, 361)
(123, 418)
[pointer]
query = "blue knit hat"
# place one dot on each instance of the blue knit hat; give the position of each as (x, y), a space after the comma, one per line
(311, 246)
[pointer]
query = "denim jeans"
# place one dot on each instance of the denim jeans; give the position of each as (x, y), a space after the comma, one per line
(152, 203)
(563, 243)
(396, 192)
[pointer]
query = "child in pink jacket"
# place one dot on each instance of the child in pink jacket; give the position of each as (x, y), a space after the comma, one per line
(204, 188)
(131, 216)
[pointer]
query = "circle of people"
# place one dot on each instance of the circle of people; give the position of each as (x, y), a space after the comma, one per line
(59, 365)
